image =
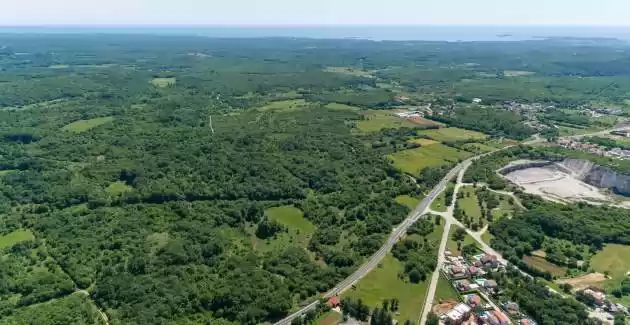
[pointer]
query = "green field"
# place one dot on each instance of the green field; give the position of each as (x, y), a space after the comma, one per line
(453, 134)
(406, 200)
(413, 161)
(299, 230)
(478, 147)
(544, 265)
(384, 283)
(375, 120)
(349, 71)
(517, 73)
(444, 291)
(84, 125)
(440, 204)
(487, 237)
(342, 107)
(614, 259)
(15, 237)
(118, 188)
(163, 82)
(469, 203)
(285, 105)
(291, 217)
(7, 171)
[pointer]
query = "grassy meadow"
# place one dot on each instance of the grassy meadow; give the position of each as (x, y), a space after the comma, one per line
(376, 120)
(15, 237)
(453, 134)
(85, 125)
(163, 82)
(413, 161)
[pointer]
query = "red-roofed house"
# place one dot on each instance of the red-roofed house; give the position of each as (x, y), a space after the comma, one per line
(333, 302)
(503, 319)
(473, 300)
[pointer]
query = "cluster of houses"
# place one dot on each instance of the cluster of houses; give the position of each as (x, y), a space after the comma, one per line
(475, 307)
(602, 302)
(576, 144)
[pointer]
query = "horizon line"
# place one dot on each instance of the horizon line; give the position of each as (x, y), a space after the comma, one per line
(176, 25)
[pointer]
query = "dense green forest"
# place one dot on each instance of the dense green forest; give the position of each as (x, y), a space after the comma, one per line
(137, 172)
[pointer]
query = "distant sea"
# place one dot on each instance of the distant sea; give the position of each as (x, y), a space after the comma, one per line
(378, 33)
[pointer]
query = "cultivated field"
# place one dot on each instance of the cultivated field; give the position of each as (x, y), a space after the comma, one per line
(376, 120)
(350, 71)
(413, 161)
(85, 125)
(163, 82)
(614, 259)
(342, 107)
(423, 141)
(544, 265)
(517, 73)
(453, 134)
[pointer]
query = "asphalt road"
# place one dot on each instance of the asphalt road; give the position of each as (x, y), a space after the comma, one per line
(375, 259)
(401, 229)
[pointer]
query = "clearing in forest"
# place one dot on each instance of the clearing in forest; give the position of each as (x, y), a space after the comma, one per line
(350, 71)
(290, 217)
(285, 105)
(163, 82)
(118, 188)
(453, 134)
(614, 259)
(413, 161)
(376, 120)
(544, 265)
(85, 125)
(298, 230)
(15, 237)
(408, 201)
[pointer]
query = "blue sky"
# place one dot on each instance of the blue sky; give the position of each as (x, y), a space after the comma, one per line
(315, 12)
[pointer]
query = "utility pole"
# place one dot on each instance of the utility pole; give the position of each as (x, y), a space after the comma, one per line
(210, 122)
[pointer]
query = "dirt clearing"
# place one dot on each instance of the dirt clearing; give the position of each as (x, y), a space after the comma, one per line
(585, 281)
(444, 307)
